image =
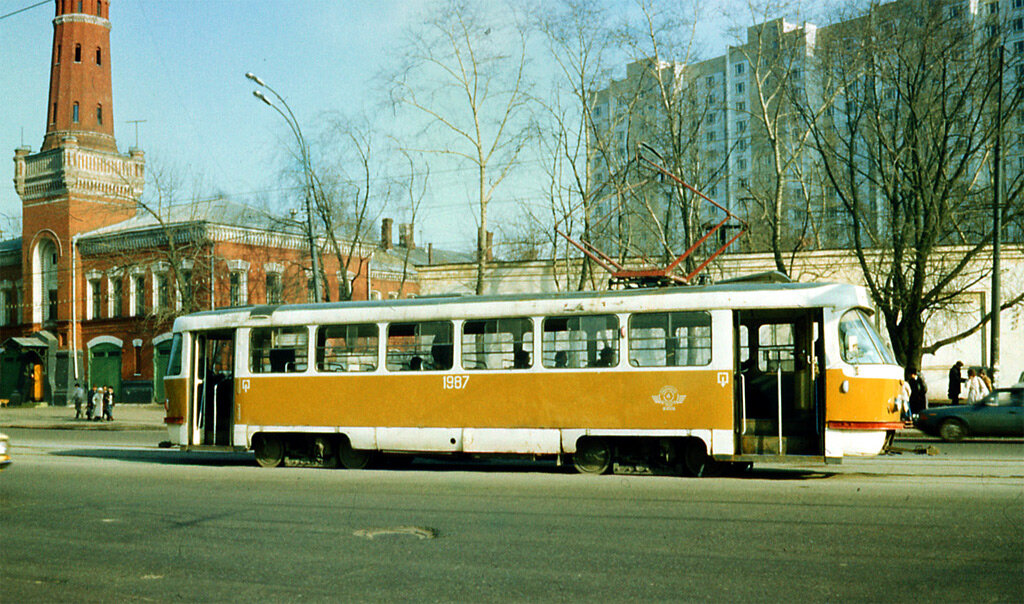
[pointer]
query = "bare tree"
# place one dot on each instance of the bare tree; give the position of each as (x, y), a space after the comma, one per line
(907, 149)
(463, 73)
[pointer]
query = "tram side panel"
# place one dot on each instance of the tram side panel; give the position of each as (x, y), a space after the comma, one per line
(666, 403)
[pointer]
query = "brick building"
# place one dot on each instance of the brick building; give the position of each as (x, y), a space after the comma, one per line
(90, 289)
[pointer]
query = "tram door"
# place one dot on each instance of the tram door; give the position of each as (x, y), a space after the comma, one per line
(780, 383)
(213, 357)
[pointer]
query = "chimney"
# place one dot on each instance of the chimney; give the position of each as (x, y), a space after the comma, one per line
(430, 253)
(405, 236)
(385, 234)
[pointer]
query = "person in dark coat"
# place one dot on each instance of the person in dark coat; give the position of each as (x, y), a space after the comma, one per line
(955, 381)
(918, 391)
(108, 403)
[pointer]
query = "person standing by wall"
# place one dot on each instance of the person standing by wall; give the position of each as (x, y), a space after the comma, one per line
(955, 381)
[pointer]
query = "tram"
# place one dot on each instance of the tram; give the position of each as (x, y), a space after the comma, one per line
(685, 379)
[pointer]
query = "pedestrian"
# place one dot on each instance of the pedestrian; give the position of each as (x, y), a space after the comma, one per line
(903, 399)
(108, 403)
(985, 376)
(918, 391)
(97, 413)
(976, 389)
(955, 380)
(78, 396)
(90, 404)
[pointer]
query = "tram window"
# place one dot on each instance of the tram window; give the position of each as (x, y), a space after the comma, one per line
(174, 362)
(420, 346)
(580, 342)
(497, 344)
(346, 347)
(278, 350)
(859, 343)
(670, 339)
(775, 347)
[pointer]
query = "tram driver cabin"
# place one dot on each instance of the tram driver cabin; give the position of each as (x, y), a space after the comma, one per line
(684, 379)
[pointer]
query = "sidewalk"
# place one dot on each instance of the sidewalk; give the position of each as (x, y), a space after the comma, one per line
(126, 417)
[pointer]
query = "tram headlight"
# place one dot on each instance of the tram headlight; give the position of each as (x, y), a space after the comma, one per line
(845, 386)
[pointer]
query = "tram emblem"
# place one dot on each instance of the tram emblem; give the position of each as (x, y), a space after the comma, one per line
(668, 398)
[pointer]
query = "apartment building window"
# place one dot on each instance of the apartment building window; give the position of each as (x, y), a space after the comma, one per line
(741, 106)
(992, 8)
(93, 303)
(138, 295)
(744, 183)
(741, 87)
(741, 126)
(6, 302)
(1018, 3)
(237, 288)
(275, 292)
(163, 292)
(954, 12)
(1018, 24)
(1018, 47)
(741, 164)
(710, 136)
(711, 117)
(709, 81)
(741, 68)
(741, 144)
(115, 296)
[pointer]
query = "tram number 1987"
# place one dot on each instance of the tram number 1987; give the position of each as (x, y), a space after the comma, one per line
(455, 382)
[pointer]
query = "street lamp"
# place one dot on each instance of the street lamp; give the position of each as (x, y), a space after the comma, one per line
(307, 168)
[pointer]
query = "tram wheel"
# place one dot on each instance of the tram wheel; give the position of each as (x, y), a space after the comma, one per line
(352, 459)
(269, 451)
(695, 461)
(593, 456)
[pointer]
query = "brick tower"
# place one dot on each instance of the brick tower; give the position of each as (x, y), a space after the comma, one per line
(77, 181)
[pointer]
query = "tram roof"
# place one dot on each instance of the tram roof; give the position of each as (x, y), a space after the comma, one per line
(723, 295)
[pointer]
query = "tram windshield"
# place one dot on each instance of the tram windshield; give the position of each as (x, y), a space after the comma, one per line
(859, 343)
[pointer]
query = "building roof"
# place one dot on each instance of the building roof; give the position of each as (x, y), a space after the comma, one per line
(217, 211)
(10, 251)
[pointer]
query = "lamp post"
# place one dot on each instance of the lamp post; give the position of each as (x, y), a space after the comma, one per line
(307, 168)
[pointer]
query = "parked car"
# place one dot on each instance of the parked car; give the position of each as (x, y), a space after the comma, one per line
(1001, 413)
(5, 451)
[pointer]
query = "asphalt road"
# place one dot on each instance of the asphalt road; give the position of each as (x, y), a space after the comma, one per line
(109, 517)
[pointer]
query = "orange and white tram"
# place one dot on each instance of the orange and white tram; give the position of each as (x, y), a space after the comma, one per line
(679, 378)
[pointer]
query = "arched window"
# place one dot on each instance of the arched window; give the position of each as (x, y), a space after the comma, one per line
(74, 113)
(58, 54)
(99, 114)
(99, 8)
(53, 115)
(78, 53)
(79, 7)
(99, 56)
(44, 281)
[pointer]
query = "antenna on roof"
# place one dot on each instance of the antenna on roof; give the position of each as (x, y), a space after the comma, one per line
(136, 122)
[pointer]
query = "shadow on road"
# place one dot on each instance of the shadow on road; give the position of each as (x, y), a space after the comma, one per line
(163, 456)
(419, 464)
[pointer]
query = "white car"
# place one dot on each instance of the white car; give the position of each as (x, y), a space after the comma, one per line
(5, 448)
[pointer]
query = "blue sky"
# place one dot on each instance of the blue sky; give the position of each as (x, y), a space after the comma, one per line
(179, 65)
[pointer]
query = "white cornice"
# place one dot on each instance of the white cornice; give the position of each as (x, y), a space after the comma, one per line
(82, 18)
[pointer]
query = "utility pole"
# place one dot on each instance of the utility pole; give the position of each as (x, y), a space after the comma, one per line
(997, 220)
